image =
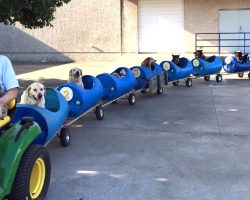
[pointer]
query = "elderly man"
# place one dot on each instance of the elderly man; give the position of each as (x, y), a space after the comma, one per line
(8, 83)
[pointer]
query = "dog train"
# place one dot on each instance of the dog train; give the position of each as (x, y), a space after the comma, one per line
(55, 109)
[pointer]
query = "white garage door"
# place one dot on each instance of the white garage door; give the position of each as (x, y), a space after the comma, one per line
(234, 21)
(161, 25)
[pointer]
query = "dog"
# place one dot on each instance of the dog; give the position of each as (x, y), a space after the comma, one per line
(34, 95)
(199, 54)
(176, 59)
(148, 62)
(75, 76)
(240, 57)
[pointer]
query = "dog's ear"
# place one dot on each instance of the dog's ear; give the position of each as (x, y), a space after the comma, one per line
(44, 88)
(80, 72)
(28, 91)
(70, 72)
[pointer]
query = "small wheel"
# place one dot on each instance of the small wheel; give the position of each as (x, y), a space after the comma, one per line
(65, 137)
(189, 82)
(249, 75)
(218, 78)
(176, 83)
(143, 91)
(241, 74)
(99, 113)
(206, 78)
(160, 90)
(33, 175)
(131, 99)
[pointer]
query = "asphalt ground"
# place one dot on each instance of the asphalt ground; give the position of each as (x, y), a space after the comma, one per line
(186, 144)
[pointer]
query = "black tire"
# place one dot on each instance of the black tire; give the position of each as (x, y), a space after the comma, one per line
(219, 78)
(189, 82)
(241, 74)
(21, 186)
(206, 78)
(99, 113)
(249, 75)
(176, 83)
(160, 90)
(65, 137)
(143, 91)
(131, 99)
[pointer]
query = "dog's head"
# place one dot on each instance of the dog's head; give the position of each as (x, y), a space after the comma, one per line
(36, 91)
(75, 73)
(148, 62)
(176, 58)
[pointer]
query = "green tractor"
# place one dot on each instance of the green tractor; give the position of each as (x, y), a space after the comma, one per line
(24, 167)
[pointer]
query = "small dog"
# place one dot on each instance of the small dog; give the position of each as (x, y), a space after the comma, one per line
(176, 59)
(199, 54)
(148, 62)
(240, 57)
(75, 76)
(34, 95)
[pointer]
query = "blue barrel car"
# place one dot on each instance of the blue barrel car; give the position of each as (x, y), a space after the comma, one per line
(149, 78)
(232, 65)
(82, 100)
(51, 118)
(118, 84)
(205, 68)
(176, 72)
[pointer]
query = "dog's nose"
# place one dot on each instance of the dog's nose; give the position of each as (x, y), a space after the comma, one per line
(40, 96)
(77, 73)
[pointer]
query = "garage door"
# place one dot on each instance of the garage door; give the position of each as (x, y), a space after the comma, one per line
(236, 21)
(161, 26)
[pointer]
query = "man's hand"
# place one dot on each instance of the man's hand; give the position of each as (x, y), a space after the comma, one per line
(1, 111)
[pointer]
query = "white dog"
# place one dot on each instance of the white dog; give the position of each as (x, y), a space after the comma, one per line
(75, 76)
(34, 95)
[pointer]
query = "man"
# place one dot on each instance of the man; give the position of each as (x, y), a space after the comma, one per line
(8, 83)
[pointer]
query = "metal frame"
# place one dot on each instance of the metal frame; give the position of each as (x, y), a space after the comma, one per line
(219, 40)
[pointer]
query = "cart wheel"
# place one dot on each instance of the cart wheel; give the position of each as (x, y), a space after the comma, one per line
(241, 74)
(160, 90)
(33, 174)
(99, 113)
(131, 99)
(218, 78)
(176, 83)
(249, 75)
(143, 91)
(65, 137)
(189, 82)
(206, 78)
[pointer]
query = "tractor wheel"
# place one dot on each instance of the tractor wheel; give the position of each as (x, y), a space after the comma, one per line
(33, 175)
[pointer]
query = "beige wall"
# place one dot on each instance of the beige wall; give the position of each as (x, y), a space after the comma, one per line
(129, 26)
(203, 16)
(82, 30)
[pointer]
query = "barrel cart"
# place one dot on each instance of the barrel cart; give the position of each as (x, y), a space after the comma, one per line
(83, 100)
(118, 85)
(151, 81)
(51, 118)
(175, 72)
(25, 165)
(208, 67)
(232, 65)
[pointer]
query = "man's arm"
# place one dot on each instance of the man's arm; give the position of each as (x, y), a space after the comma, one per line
(11, 94)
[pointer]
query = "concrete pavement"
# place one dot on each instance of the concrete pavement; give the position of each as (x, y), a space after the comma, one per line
(187, 144)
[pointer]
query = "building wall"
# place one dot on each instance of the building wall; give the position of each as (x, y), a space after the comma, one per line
(82, 30)
(203, 16)
(129, 26)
